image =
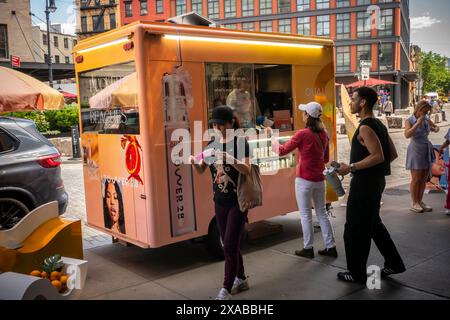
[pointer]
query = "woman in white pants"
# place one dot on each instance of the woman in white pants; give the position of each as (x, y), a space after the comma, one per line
(312, 144)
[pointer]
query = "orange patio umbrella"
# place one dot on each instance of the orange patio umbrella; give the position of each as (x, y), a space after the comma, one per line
(21, 92)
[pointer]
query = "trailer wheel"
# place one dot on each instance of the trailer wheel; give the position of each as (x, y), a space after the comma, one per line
(213, 241)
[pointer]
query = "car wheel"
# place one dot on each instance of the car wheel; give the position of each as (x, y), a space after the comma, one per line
(11, 212)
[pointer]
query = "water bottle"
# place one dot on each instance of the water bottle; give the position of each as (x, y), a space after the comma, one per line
(332, 176)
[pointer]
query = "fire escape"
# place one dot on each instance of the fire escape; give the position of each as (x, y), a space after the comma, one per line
(90, 9)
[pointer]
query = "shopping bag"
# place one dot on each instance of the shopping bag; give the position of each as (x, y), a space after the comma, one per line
(250, 189)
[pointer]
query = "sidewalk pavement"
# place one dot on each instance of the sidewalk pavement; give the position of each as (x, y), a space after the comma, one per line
(185, 271)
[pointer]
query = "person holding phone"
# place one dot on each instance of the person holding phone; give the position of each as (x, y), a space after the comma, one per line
(420, 155)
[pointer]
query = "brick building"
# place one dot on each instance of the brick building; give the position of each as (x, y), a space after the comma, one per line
(375, 30)
(96, 16)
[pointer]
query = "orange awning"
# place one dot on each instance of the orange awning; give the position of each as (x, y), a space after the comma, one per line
(20, 92)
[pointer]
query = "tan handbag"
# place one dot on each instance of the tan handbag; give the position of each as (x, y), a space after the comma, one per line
(250, 189)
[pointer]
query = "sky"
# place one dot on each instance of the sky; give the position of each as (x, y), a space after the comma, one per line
(430, 21)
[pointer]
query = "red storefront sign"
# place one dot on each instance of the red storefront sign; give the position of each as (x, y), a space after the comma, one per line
(15, 61)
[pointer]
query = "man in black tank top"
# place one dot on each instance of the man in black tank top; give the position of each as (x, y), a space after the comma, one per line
(372, 152)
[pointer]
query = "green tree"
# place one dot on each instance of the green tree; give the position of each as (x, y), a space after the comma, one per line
(435, 76)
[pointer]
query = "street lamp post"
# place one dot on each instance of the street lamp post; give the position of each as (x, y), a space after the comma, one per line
(50, 7)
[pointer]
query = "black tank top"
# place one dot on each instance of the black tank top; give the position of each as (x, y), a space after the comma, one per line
(360, 152)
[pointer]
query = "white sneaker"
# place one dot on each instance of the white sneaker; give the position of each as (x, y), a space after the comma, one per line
(447, 212)
(223, 295)
(239, 285)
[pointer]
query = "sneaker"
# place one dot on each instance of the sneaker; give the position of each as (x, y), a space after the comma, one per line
(239, 285)
(305, 253)
(348, 277)
(386, 272)
(447, 212)
(223, 295)
(330, 252)
(416, 208)
(425, 207)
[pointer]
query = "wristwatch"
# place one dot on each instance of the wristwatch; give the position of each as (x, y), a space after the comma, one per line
(352, 168)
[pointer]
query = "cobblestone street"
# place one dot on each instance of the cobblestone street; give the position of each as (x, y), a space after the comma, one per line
(73, 180)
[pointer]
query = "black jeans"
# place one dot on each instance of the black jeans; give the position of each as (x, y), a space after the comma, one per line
(364, 224)
(231, 223)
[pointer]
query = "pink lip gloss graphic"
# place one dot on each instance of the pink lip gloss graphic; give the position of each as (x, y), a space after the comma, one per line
(177, 98)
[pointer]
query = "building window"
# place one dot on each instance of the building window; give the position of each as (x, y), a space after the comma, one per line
(386, 20)
(57, 59)
(363, 2)
(66, 43)
(304, 26)
(284, 6)
(213, 9)
(67, 60)
(55, 41)
(387, 54)
(128, 9)
(97, 23)
(343, 26)
(160, 6)
(343, 59)
(230, 8)
(248, 26)
(363, 52)
(342, 3)
(284, 25)
(44, 39)
(180, 7)
(143, 7)
(266, 26)
(197, 6)
(75, 42)
(303, 5)
(248, 8)
(265, 7)
(363, 25)
(45, 58)
(384, 1)
(232, 26)
(83, 24)
(322, 4)
(112, 21)
(4, 42)
(323, 26)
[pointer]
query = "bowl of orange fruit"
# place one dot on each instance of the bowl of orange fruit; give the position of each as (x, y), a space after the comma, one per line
(52, 269)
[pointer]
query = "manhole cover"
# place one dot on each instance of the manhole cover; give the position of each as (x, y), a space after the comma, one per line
(396, 192)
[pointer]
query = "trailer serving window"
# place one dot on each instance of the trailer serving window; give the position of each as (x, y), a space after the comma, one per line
(108, 100)
(252, 90)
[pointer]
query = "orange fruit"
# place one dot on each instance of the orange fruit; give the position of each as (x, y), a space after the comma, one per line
(57, 284)
(63, 279)
(35, 273)
(54, 275)
(44, 274)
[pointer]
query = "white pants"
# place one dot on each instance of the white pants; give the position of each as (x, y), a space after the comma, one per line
(307, 193)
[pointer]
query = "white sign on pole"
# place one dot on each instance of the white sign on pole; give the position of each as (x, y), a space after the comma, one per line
(365, 72)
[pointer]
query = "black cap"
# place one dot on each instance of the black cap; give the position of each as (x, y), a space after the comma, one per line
(221, 115)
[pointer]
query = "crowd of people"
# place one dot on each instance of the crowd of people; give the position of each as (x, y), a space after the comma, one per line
(372, 152)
